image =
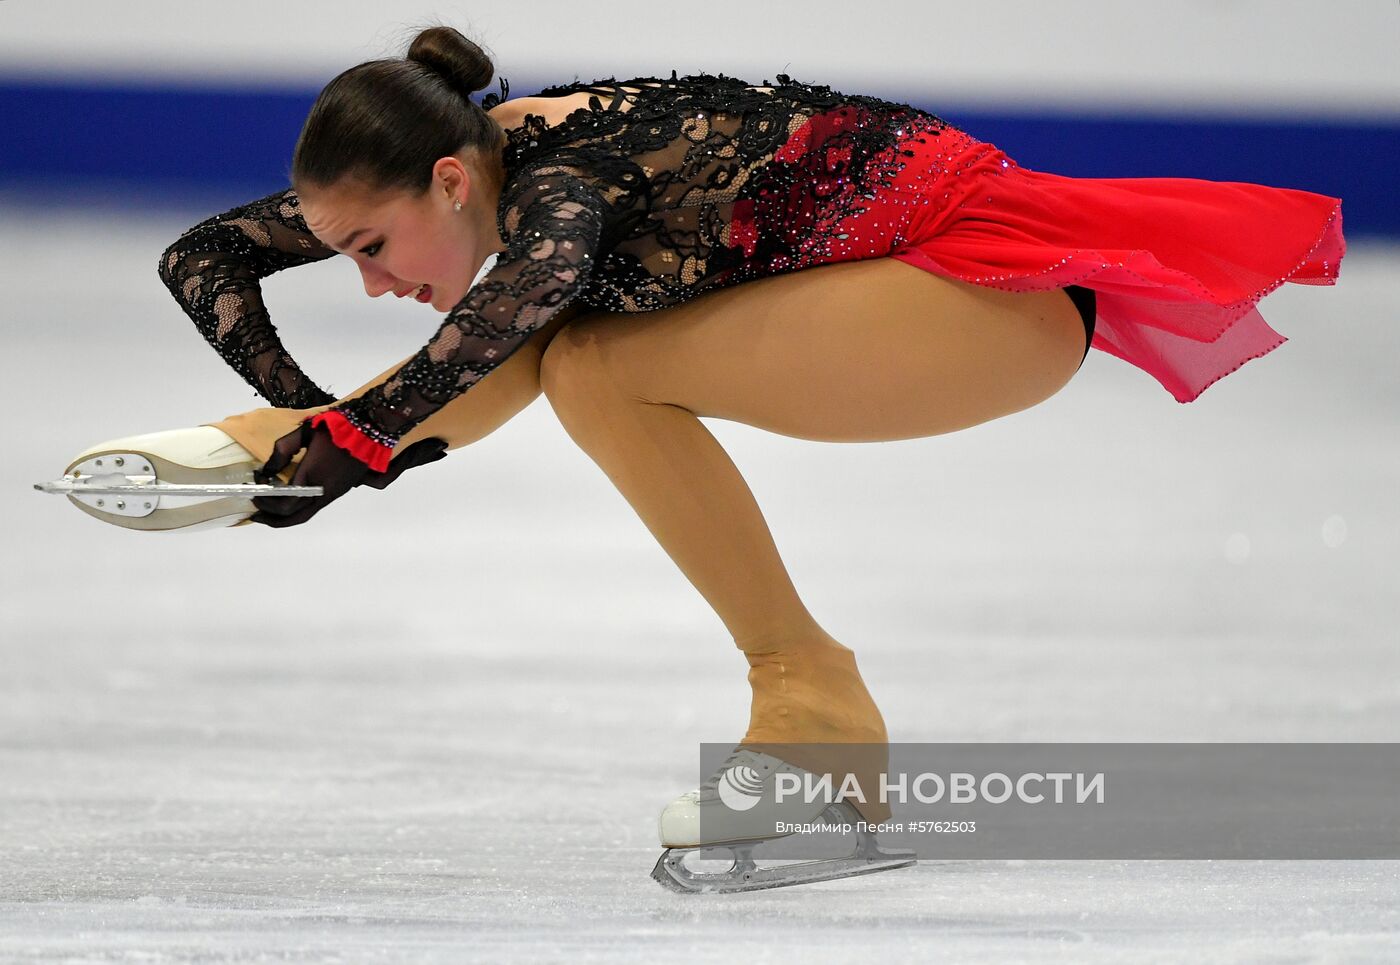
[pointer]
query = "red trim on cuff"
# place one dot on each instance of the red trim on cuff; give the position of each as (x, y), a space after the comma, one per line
(352, 440)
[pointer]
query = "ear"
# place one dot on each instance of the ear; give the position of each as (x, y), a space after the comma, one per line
(452, 179)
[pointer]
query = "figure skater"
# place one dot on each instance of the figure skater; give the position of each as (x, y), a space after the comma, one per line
(820, 265)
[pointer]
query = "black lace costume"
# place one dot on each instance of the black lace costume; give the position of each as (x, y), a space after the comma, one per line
(709, 181)
(703, 181)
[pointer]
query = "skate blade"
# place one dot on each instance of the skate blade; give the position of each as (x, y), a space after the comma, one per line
(179, 480)
(140, 500)
(744, 875)
(135, 487)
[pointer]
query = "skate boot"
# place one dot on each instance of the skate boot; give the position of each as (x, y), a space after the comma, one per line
(811, 720)
(746, 803)
(180, 479)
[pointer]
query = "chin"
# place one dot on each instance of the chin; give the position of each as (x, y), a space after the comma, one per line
(444, 304)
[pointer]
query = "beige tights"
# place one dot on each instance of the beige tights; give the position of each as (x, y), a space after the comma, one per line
(851, 352)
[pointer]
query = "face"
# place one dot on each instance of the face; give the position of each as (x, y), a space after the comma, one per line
(405, 244)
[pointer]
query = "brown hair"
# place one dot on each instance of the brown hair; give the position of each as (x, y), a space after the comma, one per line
(386, 122)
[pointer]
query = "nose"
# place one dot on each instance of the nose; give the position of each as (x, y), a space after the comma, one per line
(377, 281)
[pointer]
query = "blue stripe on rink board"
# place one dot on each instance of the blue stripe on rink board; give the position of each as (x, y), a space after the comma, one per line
(233, 143)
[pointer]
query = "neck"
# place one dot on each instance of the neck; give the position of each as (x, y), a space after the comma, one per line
(489, 200)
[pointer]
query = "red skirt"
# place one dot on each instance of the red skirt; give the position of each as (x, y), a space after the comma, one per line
(1177, 265)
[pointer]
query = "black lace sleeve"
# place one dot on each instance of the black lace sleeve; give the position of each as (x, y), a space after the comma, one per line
(213, 271)
(552, 220)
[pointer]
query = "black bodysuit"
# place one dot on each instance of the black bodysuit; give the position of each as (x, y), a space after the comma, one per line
(703, 182)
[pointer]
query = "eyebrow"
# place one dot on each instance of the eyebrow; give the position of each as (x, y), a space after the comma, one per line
(348, 241)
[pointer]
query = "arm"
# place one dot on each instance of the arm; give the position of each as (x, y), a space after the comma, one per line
(494, 401)
(553, 220)
(213, 271)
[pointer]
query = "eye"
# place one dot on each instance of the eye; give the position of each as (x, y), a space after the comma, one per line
(373, 249)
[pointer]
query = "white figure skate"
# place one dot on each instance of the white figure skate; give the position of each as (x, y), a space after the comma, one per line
(180, 479)
(730, 815)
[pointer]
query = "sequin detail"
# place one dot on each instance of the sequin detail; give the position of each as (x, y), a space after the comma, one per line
(354, 440)
(682, 185)
(213, 271)
(701, 182)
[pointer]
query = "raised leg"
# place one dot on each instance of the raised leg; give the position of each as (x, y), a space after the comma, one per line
(852, 352)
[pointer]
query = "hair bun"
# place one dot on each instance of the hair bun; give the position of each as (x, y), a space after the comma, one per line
(443, 50)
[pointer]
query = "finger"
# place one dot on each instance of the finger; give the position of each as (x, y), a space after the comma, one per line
(420, 453)
(282, 451)
(278, 505)
(293, 519)
(424, 450)
(399, 467)
(274, 522)
(285, 448)
(433, 448)
(434, 452)
(304, 514)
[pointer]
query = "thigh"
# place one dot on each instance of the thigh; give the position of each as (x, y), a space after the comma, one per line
(856, 351)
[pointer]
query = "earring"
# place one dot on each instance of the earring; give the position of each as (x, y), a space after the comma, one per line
(456, 206)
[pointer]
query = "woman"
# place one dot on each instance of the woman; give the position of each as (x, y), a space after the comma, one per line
(823, 266)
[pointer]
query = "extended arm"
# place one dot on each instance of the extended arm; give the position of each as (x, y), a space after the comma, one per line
(553, 224)
(213, 271)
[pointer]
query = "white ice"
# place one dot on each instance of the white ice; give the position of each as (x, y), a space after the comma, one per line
(438, 723)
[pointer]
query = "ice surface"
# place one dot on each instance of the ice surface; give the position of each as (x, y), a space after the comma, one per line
(259, 745)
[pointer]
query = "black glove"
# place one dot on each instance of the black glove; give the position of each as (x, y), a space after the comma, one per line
(420, 453)
(325, 464)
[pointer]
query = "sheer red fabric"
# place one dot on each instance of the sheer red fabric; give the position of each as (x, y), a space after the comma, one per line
(1177, 264)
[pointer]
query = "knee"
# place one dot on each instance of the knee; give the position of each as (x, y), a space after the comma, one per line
(577, 365)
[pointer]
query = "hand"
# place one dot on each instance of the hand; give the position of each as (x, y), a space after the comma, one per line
(325, 464)
(420, 453)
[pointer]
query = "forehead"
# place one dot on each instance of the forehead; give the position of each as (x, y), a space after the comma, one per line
(333, 213)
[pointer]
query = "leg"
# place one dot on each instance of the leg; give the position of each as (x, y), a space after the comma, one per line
(472, 416)
(859, 351)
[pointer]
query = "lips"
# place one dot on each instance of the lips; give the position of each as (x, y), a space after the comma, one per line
(423, 293)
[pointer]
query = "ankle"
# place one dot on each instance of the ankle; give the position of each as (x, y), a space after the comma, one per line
(811, 694)
(795, 637)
